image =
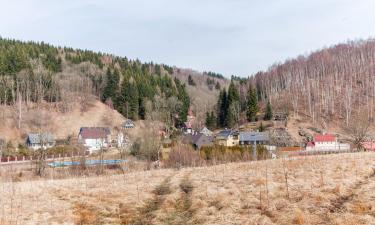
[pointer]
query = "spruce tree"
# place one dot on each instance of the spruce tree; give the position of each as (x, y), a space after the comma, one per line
(232, 107)
(252, 104)
(129, 99)
(268, 115)
(111, 88)
(222, 108)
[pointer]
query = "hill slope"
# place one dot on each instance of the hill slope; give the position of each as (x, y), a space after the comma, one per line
(40, 77)
(329, 87)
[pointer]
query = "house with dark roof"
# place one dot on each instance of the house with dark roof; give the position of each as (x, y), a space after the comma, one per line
(95, 138)
(227, 138)
(198, 140)
(128, 124)
(201, 140)
(37, 141)
(254, 138)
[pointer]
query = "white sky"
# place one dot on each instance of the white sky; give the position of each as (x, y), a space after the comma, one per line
(237, 37)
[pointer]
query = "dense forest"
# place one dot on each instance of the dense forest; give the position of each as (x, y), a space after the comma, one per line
(32, 73)
(237, 105)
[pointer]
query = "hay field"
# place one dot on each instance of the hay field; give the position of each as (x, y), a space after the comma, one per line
(330, 189)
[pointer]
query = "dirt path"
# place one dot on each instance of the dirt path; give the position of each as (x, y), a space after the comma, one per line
(146, 214)
(355, 207)
(183, 212)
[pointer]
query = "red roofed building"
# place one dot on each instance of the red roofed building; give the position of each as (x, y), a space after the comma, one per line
(324, 138)
(326, 142)
(94, 138)
(368, 145)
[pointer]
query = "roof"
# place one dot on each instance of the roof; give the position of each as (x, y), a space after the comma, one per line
(290, 149)
(200, 140)
(225, 133)
(324, 138)
(310, 144)
(36, 138)
(94, 132)
(128, 123)
(205, 130)
(254, 136)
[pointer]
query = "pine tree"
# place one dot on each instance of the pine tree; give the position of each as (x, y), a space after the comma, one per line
(184, 98)
(129, 99)
(252, 104)
(222, 108)
(111, 88)
(268, 115)
(232, 110)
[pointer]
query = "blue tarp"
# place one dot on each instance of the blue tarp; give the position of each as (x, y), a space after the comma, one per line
(90, 162)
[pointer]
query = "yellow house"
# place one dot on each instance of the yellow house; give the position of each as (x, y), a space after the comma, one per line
(227, 138)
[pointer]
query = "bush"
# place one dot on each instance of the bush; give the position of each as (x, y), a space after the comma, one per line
(147, 148)
(181, 156)
(222, 153)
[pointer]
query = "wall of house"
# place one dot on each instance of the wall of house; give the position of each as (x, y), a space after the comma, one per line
(330, 146)
(95, 144)
(38, 146)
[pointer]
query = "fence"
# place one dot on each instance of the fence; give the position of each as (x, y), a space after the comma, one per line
(314, 152)
(20, 159)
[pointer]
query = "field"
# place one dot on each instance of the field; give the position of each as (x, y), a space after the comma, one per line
(330, 189)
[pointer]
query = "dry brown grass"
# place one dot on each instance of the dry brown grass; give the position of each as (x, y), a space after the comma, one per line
(234, 193)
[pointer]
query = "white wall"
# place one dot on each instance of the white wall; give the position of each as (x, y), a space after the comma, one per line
(95, 144)
(329, 146)
(38, 146)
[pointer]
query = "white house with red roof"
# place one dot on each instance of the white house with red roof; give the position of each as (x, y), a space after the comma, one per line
(94, 138)
(326, 142)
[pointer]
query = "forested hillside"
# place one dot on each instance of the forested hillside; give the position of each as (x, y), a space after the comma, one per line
(335, 83)
(35, 73)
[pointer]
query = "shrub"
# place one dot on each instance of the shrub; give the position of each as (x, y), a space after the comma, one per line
(183, 155)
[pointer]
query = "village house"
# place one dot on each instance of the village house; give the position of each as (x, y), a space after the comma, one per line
(37, 141)
(368, 145)
(206, 131)
(198, 140)
(254, 138)
(95, 138)
(227, 138)
(128, 124)
(326, 142)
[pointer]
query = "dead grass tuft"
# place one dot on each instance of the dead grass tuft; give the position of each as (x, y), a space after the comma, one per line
(299, 217)
(85, 214)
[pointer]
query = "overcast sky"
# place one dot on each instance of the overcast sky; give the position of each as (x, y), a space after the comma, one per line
(237, 37)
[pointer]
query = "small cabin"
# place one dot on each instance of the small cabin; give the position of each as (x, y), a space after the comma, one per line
(129, 124)
(37, 141)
